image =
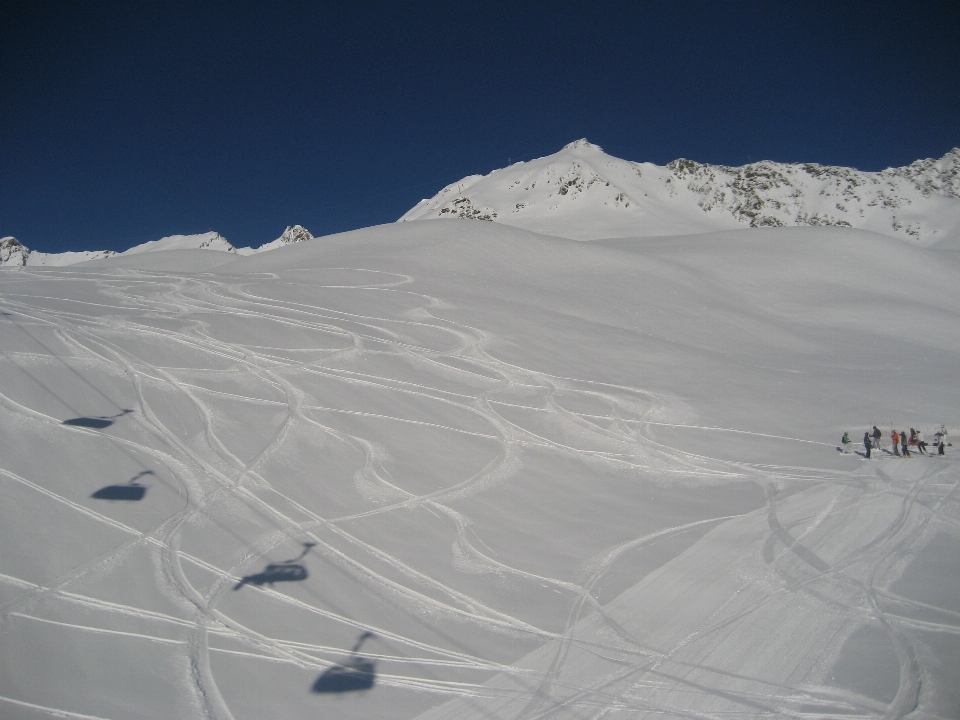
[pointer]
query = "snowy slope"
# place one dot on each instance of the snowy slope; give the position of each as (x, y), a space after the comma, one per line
(583, 193)
(552, 478)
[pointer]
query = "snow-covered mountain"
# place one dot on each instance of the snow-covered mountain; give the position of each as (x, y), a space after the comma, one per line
(204, 241)
(583, 193)
(292, 235)
(14, 254)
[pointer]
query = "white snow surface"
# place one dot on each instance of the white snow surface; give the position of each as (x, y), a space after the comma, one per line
(583, 193)
(554, 479)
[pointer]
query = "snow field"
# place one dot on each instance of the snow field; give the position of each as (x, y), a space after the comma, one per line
(552, 478)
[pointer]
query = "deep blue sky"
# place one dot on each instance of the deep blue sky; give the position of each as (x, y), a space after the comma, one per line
(124, 122)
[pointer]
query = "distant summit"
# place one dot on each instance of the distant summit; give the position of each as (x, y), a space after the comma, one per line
(14, 254)
(585, 194)
(582, 144)
(292, 235)
(204, 241)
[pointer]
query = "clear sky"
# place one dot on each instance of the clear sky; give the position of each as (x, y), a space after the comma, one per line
(124, 122)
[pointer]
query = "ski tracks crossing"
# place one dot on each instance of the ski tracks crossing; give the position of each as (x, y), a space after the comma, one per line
(524, 410)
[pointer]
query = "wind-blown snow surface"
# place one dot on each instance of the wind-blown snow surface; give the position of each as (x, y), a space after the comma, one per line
(553, 479)
(583, 193)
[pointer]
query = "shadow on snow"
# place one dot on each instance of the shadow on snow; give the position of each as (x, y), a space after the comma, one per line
(356, 673)
(286, 571)
(131, 491)
(95, 423)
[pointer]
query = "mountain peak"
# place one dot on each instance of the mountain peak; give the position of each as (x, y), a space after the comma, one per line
(582, 144)
(294, 234)
(203, 241)
(12, 252)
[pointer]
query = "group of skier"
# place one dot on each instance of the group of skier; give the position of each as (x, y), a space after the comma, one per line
(902, 443)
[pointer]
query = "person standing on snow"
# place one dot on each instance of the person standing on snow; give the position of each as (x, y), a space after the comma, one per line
(895, 439)
(913, 439)
(876, 437)
(921, 445)
(941, 439)
(903, 444)
(867, 443)
(845, 441)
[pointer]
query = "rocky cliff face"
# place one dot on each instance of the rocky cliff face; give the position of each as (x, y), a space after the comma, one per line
(292, 235)
(768, 194)
(12, 252)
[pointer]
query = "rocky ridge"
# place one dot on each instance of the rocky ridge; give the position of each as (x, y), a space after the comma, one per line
(769, 194)
(292, 235)
(583, 193)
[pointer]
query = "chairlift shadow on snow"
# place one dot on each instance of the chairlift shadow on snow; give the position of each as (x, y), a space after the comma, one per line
(286, 571)
(95, 423)
(131, 491)
(356, 673)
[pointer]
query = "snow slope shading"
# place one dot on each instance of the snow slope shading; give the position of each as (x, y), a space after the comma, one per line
(583, 193)
(533, 477)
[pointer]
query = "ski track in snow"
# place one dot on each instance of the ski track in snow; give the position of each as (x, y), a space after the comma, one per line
(634, 670)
